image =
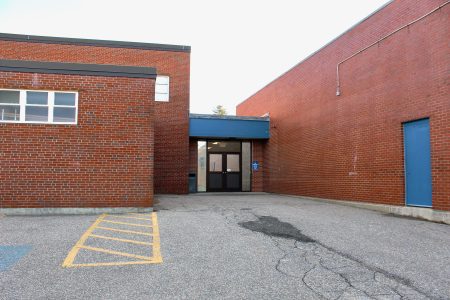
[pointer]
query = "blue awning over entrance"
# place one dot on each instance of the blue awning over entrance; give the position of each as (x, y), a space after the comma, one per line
(237, 127)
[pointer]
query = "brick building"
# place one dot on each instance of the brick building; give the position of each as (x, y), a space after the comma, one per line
(93, 123)
(121, 147)
(342, 120)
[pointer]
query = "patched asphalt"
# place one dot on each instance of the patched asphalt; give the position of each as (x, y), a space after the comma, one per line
(274, 227)
(236, 247)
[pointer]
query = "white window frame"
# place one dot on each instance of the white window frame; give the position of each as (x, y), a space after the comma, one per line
(166, 99)
(12, 104)
(50, 104)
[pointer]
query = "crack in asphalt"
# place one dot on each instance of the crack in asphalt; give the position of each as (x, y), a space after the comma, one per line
(347, 280)
(277, 267)
(372, 287)
(308, 286)
(326, 261)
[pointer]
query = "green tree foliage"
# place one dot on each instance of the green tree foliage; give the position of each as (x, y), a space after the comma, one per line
(220, 110)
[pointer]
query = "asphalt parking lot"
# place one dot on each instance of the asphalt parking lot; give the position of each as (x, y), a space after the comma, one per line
(229, 246)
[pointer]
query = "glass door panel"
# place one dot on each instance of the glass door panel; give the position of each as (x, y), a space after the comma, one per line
(215, 163)
(215, 174)
(233, 163)
(233, 172)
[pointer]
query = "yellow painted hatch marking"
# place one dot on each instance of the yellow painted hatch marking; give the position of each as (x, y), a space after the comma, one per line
(142, 215)
(155, 245)
(129, 217)
(108, 251)
(119, 240)
(73, 253)
(156, 241)
(118, 263)
(125, 223)
(125, 231)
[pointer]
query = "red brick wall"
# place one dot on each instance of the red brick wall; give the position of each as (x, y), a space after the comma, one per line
(351, 147)
(171, 118)
(193, 156)
(258, 176)
(105, 160)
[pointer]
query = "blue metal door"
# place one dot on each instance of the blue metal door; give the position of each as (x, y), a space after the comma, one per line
(417, 163)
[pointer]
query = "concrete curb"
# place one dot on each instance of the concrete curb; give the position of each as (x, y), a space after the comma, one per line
(428, 214)
(72, 211)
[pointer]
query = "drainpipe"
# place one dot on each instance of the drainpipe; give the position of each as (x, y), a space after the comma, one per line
(338, 81)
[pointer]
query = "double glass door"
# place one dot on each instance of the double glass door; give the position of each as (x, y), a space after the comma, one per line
(224, 172)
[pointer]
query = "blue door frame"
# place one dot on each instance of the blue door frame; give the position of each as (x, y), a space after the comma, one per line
(418, 191)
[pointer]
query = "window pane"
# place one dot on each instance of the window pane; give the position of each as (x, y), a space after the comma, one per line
(162, 89)
(233, 163)
(9, 97)
(224, 146)
(162, 97)
(64, 114)
(246, 161)
(37, 98)
(9, 112)
(36, 113)
(162, 79)
(215, 162)
(65, 99)
(201, 166)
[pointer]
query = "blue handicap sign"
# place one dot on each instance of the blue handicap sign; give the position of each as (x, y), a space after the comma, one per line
(255, 165)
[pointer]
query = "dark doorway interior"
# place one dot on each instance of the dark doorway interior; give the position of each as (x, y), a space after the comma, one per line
(224, 166)
(224, 172)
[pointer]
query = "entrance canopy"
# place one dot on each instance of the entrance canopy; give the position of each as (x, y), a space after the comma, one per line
(234, 127)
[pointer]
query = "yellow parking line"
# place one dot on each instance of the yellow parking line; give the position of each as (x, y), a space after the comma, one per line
(124, 231)
(125, 223)
(128, 217)
(73, 253)
(156, 240)
(119, 263)
(119, 240)
(141, 215)
(115, 252)
(155, 245)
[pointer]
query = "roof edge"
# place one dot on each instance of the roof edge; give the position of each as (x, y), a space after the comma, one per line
(92, 42)
(228, 117)
(24, 66)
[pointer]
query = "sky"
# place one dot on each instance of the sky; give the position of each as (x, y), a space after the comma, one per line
(238, 46)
